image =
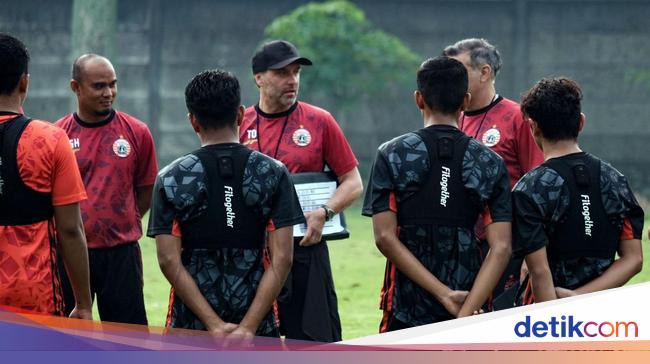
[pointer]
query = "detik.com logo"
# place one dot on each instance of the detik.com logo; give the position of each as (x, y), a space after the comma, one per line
(569, 326)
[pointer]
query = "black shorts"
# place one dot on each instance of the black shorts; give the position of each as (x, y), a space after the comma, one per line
(116, 280)
(308, 305)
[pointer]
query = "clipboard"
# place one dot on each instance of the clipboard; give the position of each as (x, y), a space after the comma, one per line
(315, 189)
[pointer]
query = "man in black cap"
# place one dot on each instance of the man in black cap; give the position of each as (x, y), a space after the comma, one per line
(305, 138)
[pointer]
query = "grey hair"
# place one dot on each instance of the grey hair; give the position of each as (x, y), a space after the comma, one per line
(480, 52)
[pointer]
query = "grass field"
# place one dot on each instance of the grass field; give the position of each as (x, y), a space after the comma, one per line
(358, 269)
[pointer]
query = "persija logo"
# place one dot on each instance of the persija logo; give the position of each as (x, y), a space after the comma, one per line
(569, 326)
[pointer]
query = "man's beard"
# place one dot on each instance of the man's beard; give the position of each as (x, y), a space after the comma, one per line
(104, 112)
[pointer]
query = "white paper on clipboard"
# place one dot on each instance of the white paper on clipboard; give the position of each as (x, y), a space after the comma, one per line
(312, 196)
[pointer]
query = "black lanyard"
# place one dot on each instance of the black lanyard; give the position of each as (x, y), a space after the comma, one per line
(259, 135)
(480, 125)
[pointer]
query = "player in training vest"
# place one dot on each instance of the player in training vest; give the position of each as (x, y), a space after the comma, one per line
(573, 213)
(211, 212)
(427, 189)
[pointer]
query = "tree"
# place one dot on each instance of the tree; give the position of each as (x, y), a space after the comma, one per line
(353, 59)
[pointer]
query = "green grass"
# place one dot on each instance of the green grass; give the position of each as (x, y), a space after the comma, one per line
(358, 270)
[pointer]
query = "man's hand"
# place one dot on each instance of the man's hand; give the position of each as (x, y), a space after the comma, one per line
(222, 329)
(564, 293)
(242, 337)
(453, 301)
(81, 313)
(315, 222)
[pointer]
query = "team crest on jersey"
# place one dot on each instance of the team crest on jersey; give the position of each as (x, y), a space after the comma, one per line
(491, 137)
(301, 137)
(121, 147)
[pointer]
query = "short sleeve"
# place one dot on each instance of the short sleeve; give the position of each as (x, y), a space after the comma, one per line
(285, 206)
(67, 185)
(380, 187)
(337, 151)
(633, 211)
(500, 202)
(179, 195)
(528, 226)
(161, 217)
(147, 167)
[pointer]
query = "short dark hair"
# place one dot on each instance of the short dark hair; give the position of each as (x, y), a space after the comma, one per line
(480, 52)
(213, 97)
(554, 104)
(78, 64)
(14, 60)
(443, 83)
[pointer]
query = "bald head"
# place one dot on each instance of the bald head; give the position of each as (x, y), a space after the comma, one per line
(84, 61)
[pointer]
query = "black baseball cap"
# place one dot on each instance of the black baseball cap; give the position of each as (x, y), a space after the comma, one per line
(277, 54)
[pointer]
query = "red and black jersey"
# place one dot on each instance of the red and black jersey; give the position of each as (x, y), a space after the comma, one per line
(115, 156)
(501, 127)
(304, 138)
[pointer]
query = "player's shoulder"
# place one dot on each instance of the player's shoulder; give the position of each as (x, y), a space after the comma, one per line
(262, 162)
(131, 121)
(65, 120)
(314, 110)
(541, 178)
(478, 151)
(44, 130)
(187, 165)
(409, 142)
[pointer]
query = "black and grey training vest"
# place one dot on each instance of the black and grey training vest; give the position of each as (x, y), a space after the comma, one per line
(442, 199)
(227, 221)
(585, 230)
(19, 204)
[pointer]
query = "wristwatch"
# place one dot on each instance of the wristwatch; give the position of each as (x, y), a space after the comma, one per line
(329, 213)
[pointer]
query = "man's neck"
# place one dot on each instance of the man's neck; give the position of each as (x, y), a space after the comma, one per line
(220, 136)
(268, 106)
(436, 118)
(11, 103)
(483, 98)
(91, 118)
(559, 148)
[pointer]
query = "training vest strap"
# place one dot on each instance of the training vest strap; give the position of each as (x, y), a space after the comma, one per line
(19, 204)
(585, 230)
(227, 222)
(442, 199)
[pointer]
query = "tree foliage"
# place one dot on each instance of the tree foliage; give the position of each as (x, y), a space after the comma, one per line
(353, 59)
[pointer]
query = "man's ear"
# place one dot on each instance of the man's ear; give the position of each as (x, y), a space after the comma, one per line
(240, 115)
(583, 120)
(258, 79)
(486, 73)
(23, 83)
(466, 101)
(194, 122)
(74, 86)
(419, 99)
(534, 128)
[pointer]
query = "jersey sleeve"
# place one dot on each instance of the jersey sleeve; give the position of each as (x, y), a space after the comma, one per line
(67, 185)
(179, 194)
(162, 216)
(380, 187)
(499, 203)
(147, 167)
(528, 234)
(337, 151)
(633, 213)
(285, 206)
(530, 156)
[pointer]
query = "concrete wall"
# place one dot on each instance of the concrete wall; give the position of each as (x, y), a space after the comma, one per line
(163, 43)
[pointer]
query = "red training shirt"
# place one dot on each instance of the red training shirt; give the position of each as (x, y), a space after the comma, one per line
(115, 156)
